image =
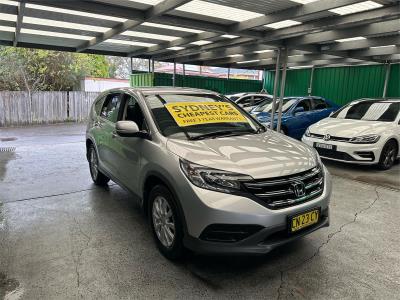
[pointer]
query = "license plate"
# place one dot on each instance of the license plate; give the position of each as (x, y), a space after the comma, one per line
(324, 146)
(303, 220)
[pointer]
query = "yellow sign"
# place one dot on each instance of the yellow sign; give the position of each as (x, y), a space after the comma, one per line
(304, 220)
(195, 113)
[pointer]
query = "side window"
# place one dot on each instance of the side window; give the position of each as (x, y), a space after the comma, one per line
(258, 99)
(319, 104)
(305, 104)
(244, 101)
(111, 107)
(98, 104)
(133, 112)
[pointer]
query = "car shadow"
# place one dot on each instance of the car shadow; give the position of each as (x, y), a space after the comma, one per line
(215, 272)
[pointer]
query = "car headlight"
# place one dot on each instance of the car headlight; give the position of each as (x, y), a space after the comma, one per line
(365, 139)
(318, 158)
(213, 179)
(307, 133)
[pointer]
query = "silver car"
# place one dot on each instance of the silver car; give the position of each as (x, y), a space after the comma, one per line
(208, 176)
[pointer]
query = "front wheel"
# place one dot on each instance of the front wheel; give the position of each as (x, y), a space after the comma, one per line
(97, 176)
(388, 155)
(165, 223)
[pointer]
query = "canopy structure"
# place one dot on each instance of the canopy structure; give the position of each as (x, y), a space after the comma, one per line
(227, 33)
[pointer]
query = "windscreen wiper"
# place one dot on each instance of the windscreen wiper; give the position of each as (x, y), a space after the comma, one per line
(220, 134)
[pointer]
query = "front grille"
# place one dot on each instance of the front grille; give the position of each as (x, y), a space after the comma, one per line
(334, 154)
(289, 190)
(331, 138)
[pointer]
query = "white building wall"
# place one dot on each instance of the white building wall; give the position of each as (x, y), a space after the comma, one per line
(102, 84)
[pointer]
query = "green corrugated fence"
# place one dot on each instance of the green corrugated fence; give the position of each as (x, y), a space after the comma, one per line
(340, 84)
(221, 85)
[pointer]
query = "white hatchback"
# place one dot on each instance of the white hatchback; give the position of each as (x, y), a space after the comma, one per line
(365, 131)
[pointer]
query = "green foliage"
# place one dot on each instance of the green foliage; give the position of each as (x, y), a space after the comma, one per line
(43, 70)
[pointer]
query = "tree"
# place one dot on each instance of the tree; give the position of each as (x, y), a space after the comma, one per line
(120, 67)
(43, 70)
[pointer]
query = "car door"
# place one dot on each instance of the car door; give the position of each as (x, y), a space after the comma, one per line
(127, 150)
(94, 121)
(109, 115)
(299, 121)
(320, 110)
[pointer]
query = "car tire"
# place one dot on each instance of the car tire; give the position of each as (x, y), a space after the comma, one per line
(388, 155)
(97, 176)
(166, 223)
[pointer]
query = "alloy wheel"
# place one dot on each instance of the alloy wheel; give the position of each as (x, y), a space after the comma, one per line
(163, 221)
(389, 156)
(94, 164)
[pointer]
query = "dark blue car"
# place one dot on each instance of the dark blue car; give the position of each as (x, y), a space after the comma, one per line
(297, 113)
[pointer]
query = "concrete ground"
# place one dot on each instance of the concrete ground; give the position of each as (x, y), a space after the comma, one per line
(61, 237)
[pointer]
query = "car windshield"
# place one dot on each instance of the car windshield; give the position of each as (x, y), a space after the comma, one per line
(384, 111)
(197, 116)
(266, 106)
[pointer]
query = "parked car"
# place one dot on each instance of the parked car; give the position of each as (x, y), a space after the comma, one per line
(297, 113)
(234, 97)
(365, 131)
(209, 177)
(250, 100)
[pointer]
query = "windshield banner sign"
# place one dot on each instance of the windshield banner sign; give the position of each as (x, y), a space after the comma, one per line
(196, 113)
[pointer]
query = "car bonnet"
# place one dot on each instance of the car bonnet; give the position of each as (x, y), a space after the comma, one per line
(263, 155)
(348, 128)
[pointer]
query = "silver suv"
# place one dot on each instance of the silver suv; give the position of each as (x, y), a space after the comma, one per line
(209, 177)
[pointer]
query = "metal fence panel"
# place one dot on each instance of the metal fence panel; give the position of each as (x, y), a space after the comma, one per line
(394, 81)
(340, 84)
(221, 85)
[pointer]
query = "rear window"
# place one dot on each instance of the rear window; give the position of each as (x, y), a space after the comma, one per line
(369, 111)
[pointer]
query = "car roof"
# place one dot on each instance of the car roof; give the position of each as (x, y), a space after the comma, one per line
(256, 94)
(162, 89)
(376, 100)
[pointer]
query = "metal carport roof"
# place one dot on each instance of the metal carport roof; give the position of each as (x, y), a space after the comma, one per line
(226, 33)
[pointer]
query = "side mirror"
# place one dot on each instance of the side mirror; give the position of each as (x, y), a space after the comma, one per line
(127, 129)
(331, 113)
(298, 110)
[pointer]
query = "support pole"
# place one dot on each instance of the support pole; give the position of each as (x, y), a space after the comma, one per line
(149, 65)
(174, 75)
(311, 81)
(229, 72)
(262, 80)
(152, 66)
(200, 70)
(282, 91)
(131, 65)
(275, 89)
(183, 70)
(387, 77)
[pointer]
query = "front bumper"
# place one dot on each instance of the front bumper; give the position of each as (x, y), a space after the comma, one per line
(261, 242)
(203, 208)
(367, 154)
